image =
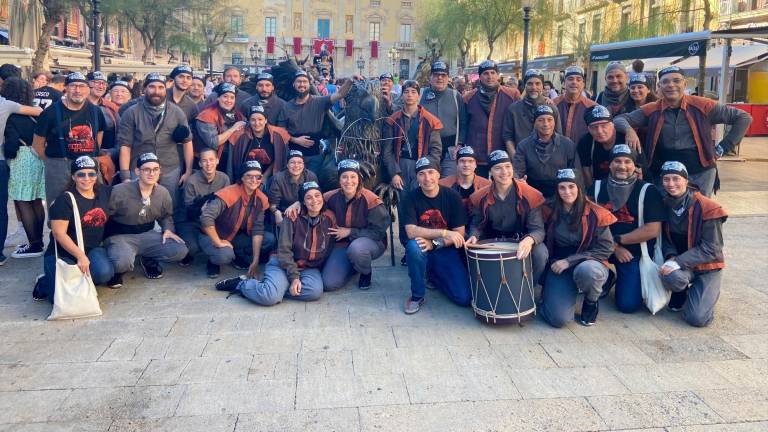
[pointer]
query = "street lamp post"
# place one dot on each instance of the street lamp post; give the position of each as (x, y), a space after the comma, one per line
(394, 56)
(527, 6)
(257, 53)
(360, 64)
(209, 36)
(96, 37)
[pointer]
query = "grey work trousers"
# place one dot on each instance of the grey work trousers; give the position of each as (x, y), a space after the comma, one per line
(123, 249)
(560, 290)
(344, 262)
(242, 246)
(703, 293)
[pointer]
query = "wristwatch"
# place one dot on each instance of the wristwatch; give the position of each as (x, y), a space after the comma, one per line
(617, 239)
(438, 243)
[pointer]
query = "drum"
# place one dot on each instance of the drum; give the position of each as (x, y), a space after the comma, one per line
(502, 285)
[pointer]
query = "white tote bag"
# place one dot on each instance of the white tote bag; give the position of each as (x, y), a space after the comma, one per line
(75, 295)
(653, 291)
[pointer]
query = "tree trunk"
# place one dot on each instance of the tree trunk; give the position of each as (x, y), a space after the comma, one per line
(703, 59)
(490, 48)
(40, 61)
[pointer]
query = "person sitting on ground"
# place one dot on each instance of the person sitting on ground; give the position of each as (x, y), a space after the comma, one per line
(90, 257)
(434, 221)
(134, 208)
(284, 190)
(579, 242)
(540, 156)
(198, 190)
(510, 209)
(233, 224)
(262, 142)
(620, 194)
(692, 245)
(595, 146)
(361, 235)
(465, 182)
(304, 246)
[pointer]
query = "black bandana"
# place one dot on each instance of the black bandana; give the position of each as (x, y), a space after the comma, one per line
(620, 190)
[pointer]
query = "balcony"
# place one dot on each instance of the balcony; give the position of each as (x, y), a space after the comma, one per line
(405, 45)
(591, 5)
(238, 39)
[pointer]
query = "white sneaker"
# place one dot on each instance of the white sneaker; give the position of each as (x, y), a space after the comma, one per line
(17, 238)
(27, 251)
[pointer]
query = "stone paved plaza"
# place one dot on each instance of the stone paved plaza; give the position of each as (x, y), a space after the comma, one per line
(175, 355)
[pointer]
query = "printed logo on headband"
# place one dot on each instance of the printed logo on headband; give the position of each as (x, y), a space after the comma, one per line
(154, 76)
(544, 109)
(252, 165)
(574, 70)
(295, 153)
(120, 83)
(673, 166)
(349, 164)
(439, 66)
(85, 162)
(670, 69)
(300, 73)
(497, 155)
(488, 64)
(76, 76)
(385, 75)
(620, 149)
(257, 109)
(228, 88)
(533, 72)
(309, 185)
(638, 77)
(567, 174)
(264, 76)
(97, 76)
(146, 157)
(600, 112)
(465, 151)
(422, 163)
(183, 69)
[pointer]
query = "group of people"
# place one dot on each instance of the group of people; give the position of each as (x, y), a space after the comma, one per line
(232, 176)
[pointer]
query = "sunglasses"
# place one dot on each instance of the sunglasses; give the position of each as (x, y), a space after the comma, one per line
(85, 174)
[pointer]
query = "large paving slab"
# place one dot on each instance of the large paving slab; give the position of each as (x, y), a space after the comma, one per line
(175, 355)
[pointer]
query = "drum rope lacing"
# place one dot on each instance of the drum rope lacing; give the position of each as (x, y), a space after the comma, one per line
(503, 283)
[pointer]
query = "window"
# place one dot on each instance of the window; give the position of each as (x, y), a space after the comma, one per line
(654, 11)
(405, 32)
(323, 28)
(725, 7)
(406, 4)
(297, 21)
(596, 22)
(582, 32)
(237, 24)
(374, 31)
(349, 24)
(375, 3)
(270, 26)
(237, 58)
(626, 15)
(559, 46)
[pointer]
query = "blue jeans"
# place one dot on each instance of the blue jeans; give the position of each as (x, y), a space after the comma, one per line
(5, 175)
(274, 286)
(101, 270)
(443, 267)
(629, 297)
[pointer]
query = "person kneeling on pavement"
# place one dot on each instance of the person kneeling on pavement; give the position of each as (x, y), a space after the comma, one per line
(580, 243)
(434, 220)
(134, 208)
(303, 248)
(233, 224)
(90, 257)
(362, 232)
(693, 247)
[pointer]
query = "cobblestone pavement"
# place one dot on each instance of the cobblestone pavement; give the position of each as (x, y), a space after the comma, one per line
(175, 355)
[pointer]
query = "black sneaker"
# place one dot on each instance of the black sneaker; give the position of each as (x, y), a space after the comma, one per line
(3, 259)
(403, 261)
(588, 313)
(28, 251)
(187, 261)
(677, 301)
(212, 270)
(229, 285)
(37, 292)
(365, 281)
(116, 281)
(240, 263)
(152, 269)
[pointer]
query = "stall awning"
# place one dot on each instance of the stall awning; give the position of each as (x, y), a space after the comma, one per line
(680, 45)
(742, 55)
(551, 63)
(655, 64)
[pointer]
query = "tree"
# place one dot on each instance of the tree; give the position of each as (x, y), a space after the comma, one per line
(708, 15)
(495, 18)
(452, 23)
(53, 12)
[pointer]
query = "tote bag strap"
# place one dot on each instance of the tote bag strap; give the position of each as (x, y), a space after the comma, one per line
(78, 227)
(641, 221)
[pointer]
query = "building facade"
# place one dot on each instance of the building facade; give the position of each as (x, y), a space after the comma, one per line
(354, 32)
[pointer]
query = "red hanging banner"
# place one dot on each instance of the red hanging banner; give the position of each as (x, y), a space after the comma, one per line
(270, 44)
(349, 47)
(297, 46)
(322, 44)
(375, 49)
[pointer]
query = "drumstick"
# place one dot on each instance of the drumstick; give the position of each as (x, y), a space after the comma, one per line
(491, 247)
